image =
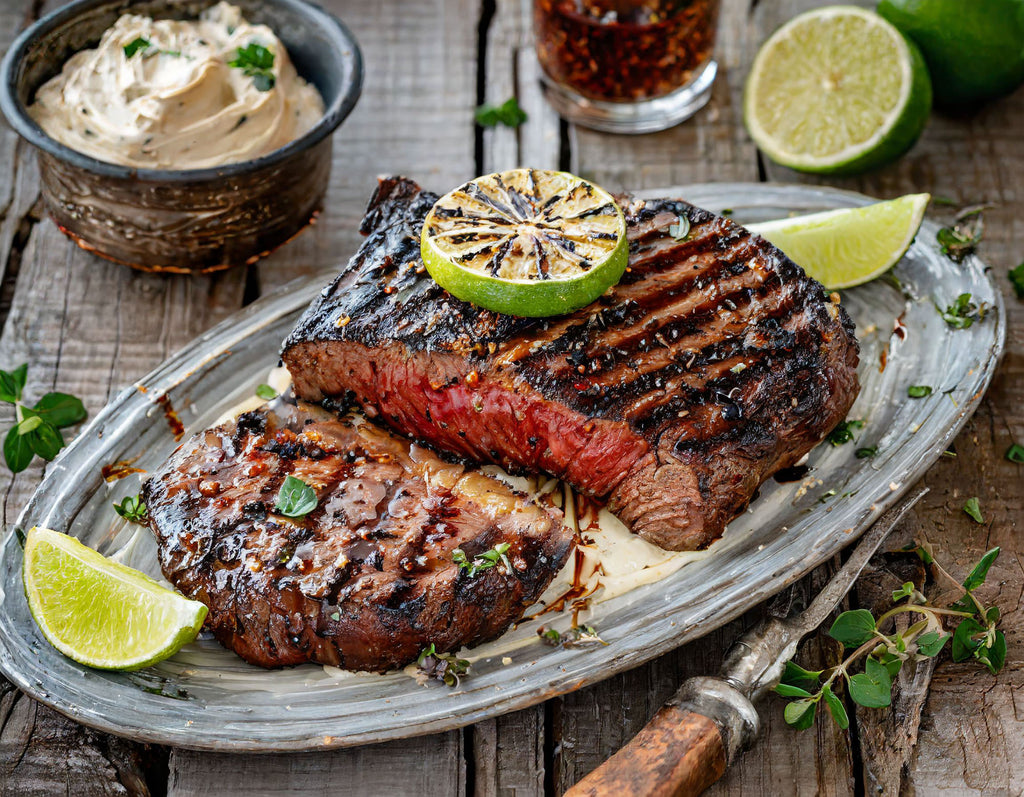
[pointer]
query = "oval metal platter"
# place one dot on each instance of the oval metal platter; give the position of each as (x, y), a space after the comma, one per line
(205, 697)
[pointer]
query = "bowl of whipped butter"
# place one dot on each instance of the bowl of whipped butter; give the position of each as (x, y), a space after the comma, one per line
(182, 136)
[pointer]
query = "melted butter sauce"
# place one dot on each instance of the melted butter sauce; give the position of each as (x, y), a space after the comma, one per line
(175, 102)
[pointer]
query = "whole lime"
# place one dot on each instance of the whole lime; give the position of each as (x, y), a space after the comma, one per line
(974, 48)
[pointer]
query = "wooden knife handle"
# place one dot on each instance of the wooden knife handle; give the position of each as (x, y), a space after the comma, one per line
(683, 749)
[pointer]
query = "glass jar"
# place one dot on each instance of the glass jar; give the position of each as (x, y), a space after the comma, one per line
(629, 66)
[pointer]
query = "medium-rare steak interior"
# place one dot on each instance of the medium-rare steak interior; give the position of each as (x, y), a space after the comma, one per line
(367, 579)
(713, 363)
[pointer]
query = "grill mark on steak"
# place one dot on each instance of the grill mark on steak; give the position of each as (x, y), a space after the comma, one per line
(364, 581)
(638, 399)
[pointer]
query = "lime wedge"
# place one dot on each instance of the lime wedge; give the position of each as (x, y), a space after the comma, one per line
(526, 242)
(851, 246)
(101, 613)
(837, 90)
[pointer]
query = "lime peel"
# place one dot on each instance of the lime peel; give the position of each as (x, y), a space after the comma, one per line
(101, 613)
(849, 246)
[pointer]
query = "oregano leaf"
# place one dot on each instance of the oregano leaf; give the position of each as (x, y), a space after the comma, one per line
(800, 714)
(853, 628)
(980, 571)
(835, 707)
(786, 690)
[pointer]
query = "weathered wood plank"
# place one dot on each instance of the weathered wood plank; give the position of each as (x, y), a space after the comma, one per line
(431, 766)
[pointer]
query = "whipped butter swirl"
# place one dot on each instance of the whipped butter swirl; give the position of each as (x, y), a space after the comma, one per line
(162, 94)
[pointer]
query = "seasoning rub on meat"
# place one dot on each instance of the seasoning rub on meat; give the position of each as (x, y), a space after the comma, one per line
(714, 363)
(369, 577)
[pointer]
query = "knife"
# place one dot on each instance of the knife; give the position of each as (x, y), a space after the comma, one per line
(710, 721)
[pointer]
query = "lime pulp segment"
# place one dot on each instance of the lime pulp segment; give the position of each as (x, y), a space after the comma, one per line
(851, 246)
(99, 612)
(836, 90)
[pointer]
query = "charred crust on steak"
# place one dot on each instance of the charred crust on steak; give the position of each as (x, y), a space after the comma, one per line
(364, 581)
(713, 363)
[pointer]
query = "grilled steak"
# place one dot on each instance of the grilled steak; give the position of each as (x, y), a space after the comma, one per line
(366, 580)
(714, 363)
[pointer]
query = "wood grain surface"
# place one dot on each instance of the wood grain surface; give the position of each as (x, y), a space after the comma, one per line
(91, 328)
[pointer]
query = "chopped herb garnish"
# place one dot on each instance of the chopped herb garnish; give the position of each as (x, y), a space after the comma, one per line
(963, 237)
(133, 509)
(483, 561)
(868, 452)
(1016, 276)
(36, 429)
(973, 510)
(843, 433)
(508, 113)
(1015, 453)
(266, 392)
(295, 499)
(976, 636)
(962, 313)
(135, 45)
(257, 62)
(574, 637)
(681, 229)
(444, 667)
(919, 391)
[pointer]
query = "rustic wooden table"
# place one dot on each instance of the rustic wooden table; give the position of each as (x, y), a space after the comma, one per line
(89, 327)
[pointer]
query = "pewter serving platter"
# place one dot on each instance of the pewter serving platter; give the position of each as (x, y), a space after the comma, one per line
(205, 697)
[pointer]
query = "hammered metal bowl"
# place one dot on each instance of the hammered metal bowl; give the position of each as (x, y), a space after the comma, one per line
(194, 220)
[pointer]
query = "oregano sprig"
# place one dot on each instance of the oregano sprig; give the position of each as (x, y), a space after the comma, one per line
(444, 667)
(483, 561)
(36, 429)
(884, 653)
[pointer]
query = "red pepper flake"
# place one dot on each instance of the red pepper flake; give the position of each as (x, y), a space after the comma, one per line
(580, 385)
(613, 51)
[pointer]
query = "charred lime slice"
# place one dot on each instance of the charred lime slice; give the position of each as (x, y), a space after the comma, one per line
(526, 242)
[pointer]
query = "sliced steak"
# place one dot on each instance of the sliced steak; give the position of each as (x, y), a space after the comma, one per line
(714, 363)
(366, 580)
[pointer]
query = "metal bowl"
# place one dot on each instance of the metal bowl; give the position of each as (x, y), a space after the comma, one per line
(192, 220)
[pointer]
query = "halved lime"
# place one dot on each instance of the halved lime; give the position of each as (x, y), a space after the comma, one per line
(850, 246)
(837, 90)
(101, 613)
(526, 242)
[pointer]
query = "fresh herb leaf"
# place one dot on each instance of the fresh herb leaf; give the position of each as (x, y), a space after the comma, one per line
(681, 229)
(266, 392)
(483, 561)
(795, 675)
(576, 636)
(919, 391)
(843, 433)
(835, 707)
(853, 628)
(979, 572)
(1015, 453)
(444, 667)
(255, 61)
(963, 236)
(60, 409)
(962, 313)
(800, 714)
(873, 687)
(868, 452)
(903, 592)
(17, 451)
(791, 691)
(1016, 276)
(993, 655)
(973, 509)
(12, 383)
(133, 509)
(295, 499)
(45, 441)
(135, 45)
(930, 643)
(508, 113)
(967, 638)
